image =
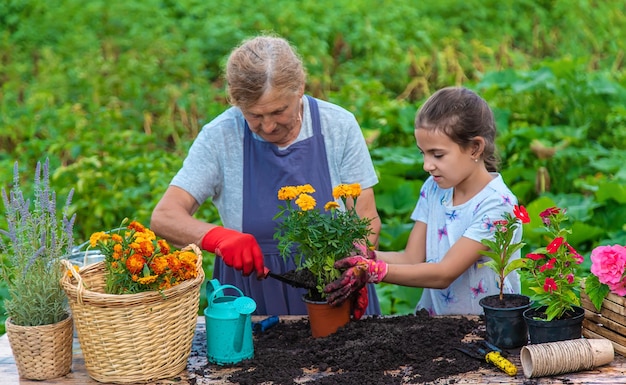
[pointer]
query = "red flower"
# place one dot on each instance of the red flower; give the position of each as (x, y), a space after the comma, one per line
(521, 214)
(501, 225)
(553, 247)
(550, 285)
(535, 256)
(548, 266)
(547, 213)
(579, 258)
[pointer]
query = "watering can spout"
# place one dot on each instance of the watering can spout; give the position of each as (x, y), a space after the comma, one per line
(244, 306)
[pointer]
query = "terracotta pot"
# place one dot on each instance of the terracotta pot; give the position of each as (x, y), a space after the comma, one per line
(505, 324)
(42, 352)
(326, 319)
(541, 331)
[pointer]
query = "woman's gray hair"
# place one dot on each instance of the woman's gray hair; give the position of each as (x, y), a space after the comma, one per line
(261, 64)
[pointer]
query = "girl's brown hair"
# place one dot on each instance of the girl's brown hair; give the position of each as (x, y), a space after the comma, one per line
(462, 115)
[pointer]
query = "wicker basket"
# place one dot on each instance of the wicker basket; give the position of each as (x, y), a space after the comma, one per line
(133, 338)
(41, 352)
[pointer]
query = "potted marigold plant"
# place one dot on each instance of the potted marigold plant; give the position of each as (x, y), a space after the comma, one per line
(552, 274)
(504, 321)
(318, 238)
(39, 323)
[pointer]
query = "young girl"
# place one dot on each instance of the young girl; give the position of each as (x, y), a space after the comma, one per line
(455, 131)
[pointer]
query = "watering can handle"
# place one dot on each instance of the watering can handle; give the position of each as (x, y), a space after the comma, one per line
(212, 294)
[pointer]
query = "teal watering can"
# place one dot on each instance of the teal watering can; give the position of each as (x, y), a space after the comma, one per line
(228, 324)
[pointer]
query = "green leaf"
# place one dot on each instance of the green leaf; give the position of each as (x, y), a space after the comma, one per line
(595, 290)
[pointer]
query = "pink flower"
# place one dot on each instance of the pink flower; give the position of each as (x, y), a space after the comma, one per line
(608, 264)
(570, 278)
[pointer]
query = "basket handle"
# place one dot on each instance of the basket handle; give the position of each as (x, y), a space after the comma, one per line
(75, 273)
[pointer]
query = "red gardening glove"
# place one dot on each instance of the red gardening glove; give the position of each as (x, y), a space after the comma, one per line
(359, 304)
(238, 250)
(362, 250)
(361, 299)
(359, 271)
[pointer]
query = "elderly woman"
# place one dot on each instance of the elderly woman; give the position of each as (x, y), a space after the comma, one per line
(273, 135)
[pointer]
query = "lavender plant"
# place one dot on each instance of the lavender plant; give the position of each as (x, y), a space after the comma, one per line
(34, 243)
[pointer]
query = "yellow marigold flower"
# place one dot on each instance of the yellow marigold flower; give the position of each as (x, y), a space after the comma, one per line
(331, 205)
(355, 190)
(287, 193)
(340, 191)
(188, 258)
(99, 236)
(305, 189)
(306, 202)
(148, 280)
(135, 263)
(69, 272)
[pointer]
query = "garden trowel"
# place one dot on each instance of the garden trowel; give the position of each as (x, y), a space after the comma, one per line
(483, 350)
(296, 281)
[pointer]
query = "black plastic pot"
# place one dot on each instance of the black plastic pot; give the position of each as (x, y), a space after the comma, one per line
(505, 326)
(541, 331)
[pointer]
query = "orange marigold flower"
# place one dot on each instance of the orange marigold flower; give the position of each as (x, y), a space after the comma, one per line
(159, 265)
(287, 193)
(117, 238)
(135, 263)
(164, 247)
(306, 202)
(173, 263)
(144, 248)
(134, 225)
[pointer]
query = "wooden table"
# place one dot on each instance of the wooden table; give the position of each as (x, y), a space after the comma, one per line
(611, 374)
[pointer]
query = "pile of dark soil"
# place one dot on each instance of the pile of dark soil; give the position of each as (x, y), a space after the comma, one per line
(374, 350)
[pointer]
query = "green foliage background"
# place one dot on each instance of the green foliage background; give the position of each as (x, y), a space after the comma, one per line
(113, 92)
